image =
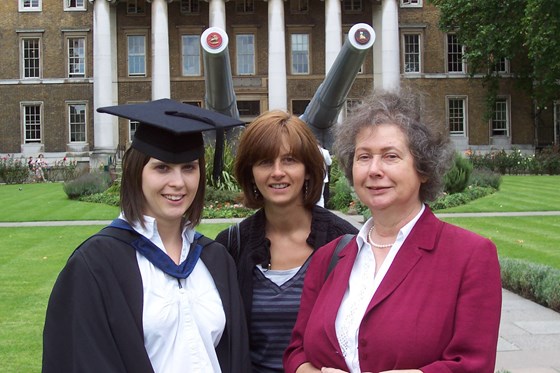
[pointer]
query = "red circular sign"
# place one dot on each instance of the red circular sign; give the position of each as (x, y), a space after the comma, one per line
(362, 36)
(214, 40)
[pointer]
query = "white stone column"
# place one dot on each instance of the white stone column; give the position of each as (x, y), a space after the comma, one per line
(105, 126)
(217, 14)
(390, 45)
(333, 32)
(377, 22)
(161, 80)
(277, 82)
(333, 37)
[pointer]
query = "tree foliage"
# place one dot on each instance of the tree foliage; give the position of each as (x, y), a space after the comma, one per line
(524, 31)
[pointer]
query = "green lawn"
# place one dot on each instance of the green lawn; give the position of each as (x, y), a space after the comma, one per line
(31, 257)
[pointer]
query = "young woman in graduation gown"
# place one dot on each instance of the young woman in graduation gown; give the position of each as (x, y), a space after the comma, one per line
(148, 293)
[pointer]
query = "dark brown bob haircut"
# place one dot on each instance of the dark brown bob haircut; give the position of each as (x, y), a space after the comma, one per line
(261, 140)
(132, 200)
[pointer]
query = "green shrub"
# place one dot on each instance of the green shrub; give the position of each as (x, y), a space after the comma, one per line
(483, 177)
(457, 178)
(87, 184)
(340, 195)
(533, 281)
(14, 170)
(64, 170)
(215, 196)
(458, 199)
(227, 180)
(111, 196)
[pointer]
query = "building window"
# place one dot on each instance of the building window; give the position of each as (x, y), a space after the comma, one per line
(74, 4)
(77, 122)
(351, 6)
(244, 6)
(191, 55)
(76, 57)
(248, 108)
(30, 5)
(456, 115)
(31, 123)
(351, 103)
(245, 50)
(132, 127)
(411, 3)
(411, 53)
(136, 55)
(190, 6)
(299, 6)
(299, 106)
(193, 103)
(300, 54)
(31, 57)
(501, 66)
(135, 6)
(455, 63)
(500, 118)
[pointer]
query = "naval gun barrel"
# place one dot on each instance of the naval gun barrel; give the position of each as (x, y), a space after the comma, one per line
(322, 111)
(220, 95)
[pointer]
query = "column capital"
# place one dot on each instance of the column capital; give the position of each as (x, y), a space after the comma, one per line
(109, 1)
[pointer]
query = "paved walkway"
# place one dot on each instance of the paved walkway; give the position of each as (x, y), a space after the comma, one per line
(529, 333)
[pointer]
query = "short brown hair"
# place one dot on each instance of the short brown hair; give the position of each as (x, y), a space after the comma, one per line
(260, 140)
(132, 200)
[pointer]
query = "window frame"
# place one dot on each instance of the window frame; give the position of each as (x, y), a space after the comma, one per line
(411, 4)
(76, 8)
(245, 6)
(185, 56)
(134, 9)
(502, 61)
(449, 53)
(24, 123)
(30, 8)
(138, 54)
(250, 56)
(404, 55)
(83, 124)
(83, 57)
(299, 6)
(24, 59)
(189, 6)
(464, 118)
(505, 132)
(292, 55)
(356, 6)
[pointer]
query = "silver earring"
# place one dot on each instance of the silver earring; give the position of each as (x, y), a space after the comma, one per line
(305, 188)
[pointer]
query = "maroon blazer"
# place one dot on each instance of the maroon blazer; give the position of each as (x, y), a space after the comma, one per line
(437, 309)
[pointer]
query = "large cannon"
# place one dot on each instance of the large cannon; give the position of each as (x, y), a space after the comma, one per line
(324, 107)
(323, 110)
(220, 95)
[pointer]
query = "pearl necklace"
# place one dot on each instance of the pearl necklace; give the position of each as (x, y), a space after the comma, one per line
(379, 246)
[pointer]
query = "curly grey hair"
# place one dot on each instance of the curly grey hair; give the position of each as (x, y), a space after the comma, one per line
(431, 148)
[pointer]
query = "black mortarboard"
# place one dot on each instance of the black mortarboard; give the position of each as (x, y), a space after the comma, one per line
(169, 130)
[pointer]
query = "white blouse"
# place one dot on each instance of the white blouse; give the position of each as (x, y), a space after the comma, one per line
(362, 285)
(183, 319)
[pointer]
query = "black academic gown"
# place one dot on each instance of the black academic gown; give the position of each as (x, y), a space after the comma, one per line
(94, 316)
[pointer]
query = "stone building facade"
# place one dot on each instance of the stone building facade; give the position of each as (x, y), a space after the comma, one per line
(61, 59)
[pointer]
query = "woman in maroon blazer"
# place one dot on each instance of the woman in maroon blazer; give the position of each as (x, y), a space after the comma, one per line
(410, 293)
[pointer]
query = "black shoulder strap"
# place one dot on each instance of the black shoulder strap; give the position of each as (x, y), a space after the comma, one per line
(234, 235)
(339, 246)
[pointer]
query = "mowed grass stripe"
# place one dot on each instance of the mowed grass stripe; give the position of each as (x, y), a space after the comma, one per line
(533, 238)
(518, 193)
